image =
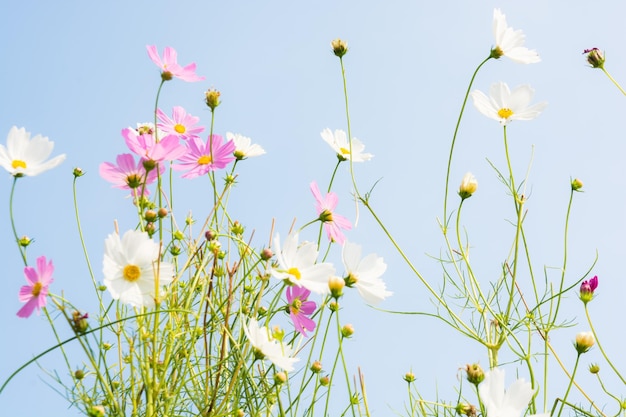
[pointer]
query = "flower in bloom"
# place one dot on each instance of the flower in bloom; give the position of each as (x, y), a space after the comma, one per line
(170, 67)
(468, 186)
(180, 124)
(505, 403)
(595, 58)
(128, 174)
(145, 145)
(587, 288)
(297, 264)
(505, 105)
(34, 294)
(300, 307)
(510, 42)
(244, 147)
(202, 158)
(584, 342)
(26, 156)
(333, 222)
(365, 273)
(131, 266)
(268, 347)
(339, 142)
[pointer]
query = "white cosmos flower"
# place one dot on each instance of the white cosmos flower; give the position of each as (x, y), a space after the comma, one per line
(131, 267)
(364, 274)
(297, 264)
(339, 142)
(26, 156)
(244, 147)
(505, 105)
(505, 403)
(270, 348)
(509, 42)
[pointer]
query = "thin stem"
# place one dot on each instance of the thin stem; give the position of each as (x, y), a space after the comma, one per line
(20, 248)
(614, 81)
(595, 336)
(569, 386)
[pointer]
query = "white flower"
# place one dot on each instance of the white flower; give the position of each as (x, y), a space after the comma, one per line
(339, 142)
(509, 42)
(364, 274)
(131, 266)
(500, 403)
(25, 156)
(243, 147)
(468, 186)
(505, 105)
(297, 264)
(270, 348)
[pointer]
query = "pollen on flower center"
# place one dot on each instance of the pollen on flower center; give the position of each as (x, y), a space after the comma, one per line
(326, 216)
(505, 113)
(344, 151)
(18, 164)
(36, 289)
(131, 273)
(179, 128)
(295, 272)
(295, 306)
(204, 160)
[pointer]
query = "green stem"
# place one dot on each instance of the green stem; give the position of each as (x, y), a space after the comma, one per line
(606, 357)
(21, 249)
(569, 386)
(614, 81)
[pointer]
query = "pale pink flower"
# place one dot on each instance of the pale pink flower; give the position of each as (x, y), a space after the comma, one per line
(202, 158)
(128, 174)
(144, 145)
(34, 294)
(181, 124)
(333, 222)
(300, 308)
(170, 67)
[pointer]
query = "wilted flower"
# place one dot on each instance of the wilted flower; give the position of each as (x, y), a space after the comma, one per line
(587, 288)
(595, 58)
(34, 294)
(584, 342)
(170, 67)
(26, 156)
(505, 105)
(509, 42)
(468, 186)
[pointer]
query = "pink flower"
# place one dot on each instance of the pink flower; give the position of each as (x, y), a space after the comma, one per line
(181, 124)
(144, 145)
(300, 308)
(587, 288)
(34, 294)
(170, 66)
(202, 158)
(333, 222)
(128, 175)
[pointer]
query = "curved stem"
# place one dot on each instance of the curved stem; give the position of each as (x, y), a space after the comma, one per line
(606, 357)
(17, 239)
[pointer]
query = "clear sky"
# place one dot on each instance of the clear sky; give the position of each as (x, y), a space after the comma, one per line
(78, 73)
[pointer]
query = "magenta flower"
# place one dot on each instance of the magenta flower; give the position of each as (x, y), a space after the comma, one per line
(300, 308)
(128, 175)
(144, 145)
(202, 158)
(181, 124)
(170, 67)
(333, 222)
(587, 288)
(34, 294)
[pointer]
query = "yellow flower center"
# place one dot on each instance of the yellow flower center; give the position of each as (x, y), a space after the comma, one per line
(36, 289)
(131, 273)
(295, 306)
(295, 272)
(133, 180)
(204, 160)
(344, 151)
(18, 164)
(179, 128)
(505, 113)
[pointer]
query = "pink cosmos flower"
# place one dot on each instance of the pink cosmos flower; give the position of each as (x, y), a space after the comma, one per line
(170, 66)
(202, 158)
(34, 294)
(333, 222)
(181, 124)
(300, 308)
(128, 175)
(144, 145)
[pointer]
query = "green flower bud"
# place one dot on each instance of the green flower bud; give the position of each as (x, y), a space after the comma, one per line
(475, 374)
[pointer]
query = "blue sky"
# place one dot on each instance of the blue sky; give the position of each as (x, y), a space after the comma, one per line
(78, 73)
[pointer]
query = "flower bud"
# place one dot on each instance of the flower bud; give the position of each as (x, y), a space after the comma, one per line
(79, 322)
(464, 409)
(106, 346)
(475, 373)
(587, 288)
(347, 330)
(96, 411)
(577, 184)
(175, 250)
(77, 172)
(212, 98)
(278, 333)
(24, 241)
(150, 229)
(594, 368)
(280, 378)
(162, 213)
(79, 374)
(409, 377)
(336, 285)
(150, 216)
(266, 254)
(324, 381)
(316, 367)
(178, 235)
(468, 186)
(595, 58)
(333, 306)
(584, 342)
(340, 48)
(496, 53)
(237, 228)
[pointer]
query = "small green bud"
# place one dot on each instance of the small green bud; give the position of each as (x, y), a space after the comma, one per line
(475, 374)
(595, 58)
(409, 377)
(175, 250)
(79, 374)
(237, 229)
(178, 235)
(96, 411)
(280, 378)
(106, 346)
(150, 216)
(577, 184)
(464, 409)
(212, 98)
(336, 286)
(347, 330)
(333, 306)
(594, 368)
(316, 367)
(324, 381)
(266, 254)
(78, 172)
(340, 48)
(24, 241)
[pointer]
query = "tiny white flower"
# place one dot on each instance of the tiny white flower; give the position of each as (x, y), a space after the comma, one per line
(270, 348)
(25, 156)
(505, 403)
(131, 266)
(505, 105)
(339, 142)
(509, 42)
(244, 147)
(297, 264)
(364, 274)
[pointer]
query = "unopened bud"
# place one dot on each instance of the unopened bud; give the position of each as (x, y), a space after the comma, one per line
(475, 373)
(266, 254)
(594, 368)
(347, 330)
(468, 186)
(78, 172)
(584, 341)
(324, 381)
(577, 184)
(595, 58)
(316, 367)
(409, 377)
(280, 378)
(340, 48)
(24, 241)
(336, 286)
(212, 98)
